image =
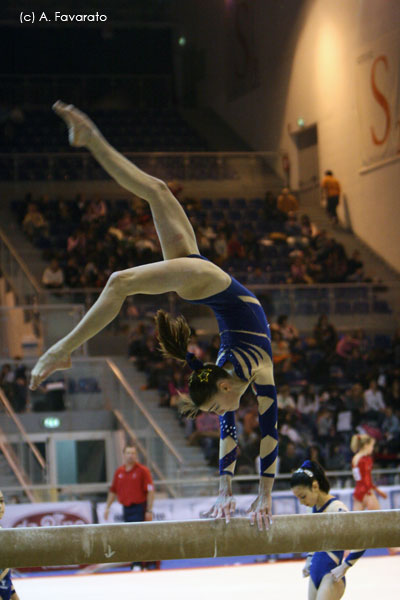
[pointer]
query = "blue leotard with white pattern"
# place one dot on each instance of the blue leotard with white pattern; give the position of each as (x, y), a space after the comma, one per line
(323, 562)
(246, 344)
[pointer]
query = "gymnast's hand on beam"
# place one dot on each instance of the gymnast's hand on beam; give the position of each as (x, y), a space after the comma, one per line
(261, 511)
(224, 507)
(80, 128)
(54, 359)
(339, 571)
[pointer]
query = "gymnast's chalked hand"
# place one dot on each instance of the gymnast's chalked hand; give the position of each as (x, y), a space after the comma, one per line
(223, 508)
(49, 362)
(260, 511)
(339, 571)
(80, 127)
(306, 568)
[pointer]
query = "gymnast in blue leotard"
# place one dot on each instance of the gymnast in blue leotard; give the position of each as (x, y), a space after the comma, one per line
(325, 569)
(7, 591)
(245, 354)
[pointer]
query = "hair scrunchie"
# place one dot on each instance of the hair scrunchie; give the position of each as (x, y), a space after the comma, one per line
(194, 363)
(306, 465)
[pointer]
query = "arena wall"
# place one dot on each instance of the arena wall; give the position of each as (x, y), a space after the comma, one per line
(281, 61)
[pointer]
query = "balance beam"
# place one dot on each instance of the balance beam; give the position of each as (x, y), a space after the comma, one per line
(149, 541)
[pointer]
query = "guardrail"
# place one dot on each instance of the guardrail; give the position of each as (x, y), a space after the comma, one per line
(338, 479)
(78, 166)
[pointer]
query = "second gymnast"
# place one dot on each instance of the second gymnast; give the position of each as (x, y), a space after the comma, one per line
(245, 353)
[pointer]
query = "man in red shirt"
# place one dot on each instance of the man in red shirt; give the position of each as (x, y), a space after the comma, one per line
(133, 486)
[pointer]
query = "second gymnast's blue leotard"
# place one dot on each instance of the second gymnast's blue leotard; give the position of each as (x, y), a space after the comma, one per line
(246, 344)
(323, 562)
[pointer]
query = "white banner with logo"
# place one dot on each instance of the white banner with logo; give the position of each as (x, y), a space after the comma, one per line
(47, 514)
(283, 503)
(378, 98)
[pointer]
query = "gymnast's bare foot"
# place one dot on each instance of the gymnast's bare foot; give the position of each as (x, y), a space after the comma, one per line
(52, 360)
(81, 129)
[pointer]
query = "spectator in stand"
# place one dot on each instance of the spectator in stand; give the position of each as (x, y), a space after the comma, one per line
(250, 245)
(289, 459)
(391, 430)
(293, 228)
(345, 347)
(308, 229)
(335, 264)
(207, 230)
(285, 399)
(374, 404)
(308, 401)
(271, 211)
(221, 248)
(96, 210)
(77, 242)
(355, 268)
(280, 352)
(298, 272)
(72, 272)
(393, 394)
(336, 459)
(288, 331)
(356, 367)
(53, 275)
(324, 423)
(325, 336)
(35, 225)
(330, 187)
(290, 429)
(176, 386)
(314, 453)
(206, 434)
(194, 346)
(287, 202)
(235, 247)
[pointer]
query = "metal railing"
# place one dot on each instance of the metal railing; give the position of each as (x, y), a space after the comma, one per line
(23, 284)
(208, 485)
(12, 414)
(77, 166)
(27, 330)
(98, 384)
(157, 446)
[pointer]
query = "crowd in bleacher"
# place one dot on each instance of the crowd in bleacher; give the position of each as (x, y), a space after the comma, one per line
(253, 239)
(329, 386)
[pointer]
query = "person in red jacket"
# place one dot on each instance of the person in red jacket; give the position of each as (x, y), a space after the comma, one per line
(133, 486)
(364, 495)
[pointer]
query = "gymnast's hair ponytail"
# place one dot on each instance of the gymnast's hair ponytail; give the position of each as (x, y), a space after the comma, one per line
(309, 472)
(174, 335)
(358, 441)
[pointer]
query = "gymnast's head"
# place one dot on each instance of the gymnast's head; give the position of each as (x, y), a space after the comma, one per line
(211, 388)
(309, 483)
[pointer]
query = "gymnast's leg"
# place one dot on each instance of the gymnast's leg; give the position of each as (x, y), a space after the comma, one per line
(189, 278)
(174, 229)
(330, 589)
